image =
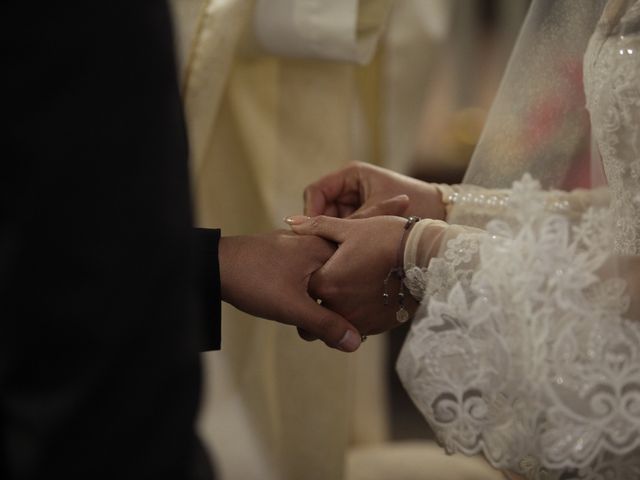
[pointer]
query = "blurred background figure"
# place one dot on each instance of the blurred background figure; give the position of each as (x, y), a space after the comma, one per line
(278, 93)
(269, 89)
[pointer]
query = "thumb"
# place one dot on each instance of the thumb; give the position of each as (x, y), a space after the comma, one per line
(320, 322)
(392, 206)
(329, 228)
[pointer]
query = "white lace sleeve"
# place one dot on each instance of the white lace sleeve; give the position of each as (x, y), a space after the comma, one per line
(525, 347)
(427, 275)
(474, 207)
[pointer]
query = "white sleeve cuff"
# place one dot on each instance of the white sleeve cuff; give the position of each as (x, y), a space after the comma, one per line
(321, 29)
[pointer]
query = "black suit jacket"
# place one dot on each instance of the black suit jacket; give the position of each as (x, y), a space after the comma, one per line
(107, 290)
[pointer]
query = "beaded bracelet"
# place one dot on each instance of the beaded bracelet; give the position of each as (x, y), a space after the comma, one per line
(402, 315)
(499, 199)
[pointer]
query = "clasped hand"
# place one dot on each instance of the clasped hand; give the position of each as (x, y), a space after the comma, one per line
(341, 261)
(352, 281)
(356, 208)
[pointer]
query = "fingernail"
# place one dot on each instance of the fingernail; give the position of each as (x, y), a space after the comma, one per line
(296, 219)
(350, 342)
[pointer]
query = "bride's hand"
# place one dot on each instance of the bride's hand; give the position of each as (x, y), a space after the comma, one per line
(356, 188)
(351, 282)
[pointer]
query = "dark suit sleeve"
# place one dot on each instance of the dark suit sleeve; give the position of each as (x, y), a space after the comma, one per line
(209, 268)
(100, 281)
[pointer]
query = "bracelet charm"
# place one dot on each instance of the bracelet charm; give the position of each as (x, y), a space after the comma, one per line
(402, 315)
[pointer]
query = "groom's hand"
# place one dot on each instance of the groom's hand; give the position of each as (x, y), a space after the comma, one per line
(268, 276)
(360, 189)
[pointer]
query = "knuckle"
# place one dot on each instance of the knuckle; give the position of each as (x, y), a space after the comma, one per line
(316, 287)
(329, 291)
(353, 164)
(317, 223)
(323, 292)
(321, 288)
(357, 168)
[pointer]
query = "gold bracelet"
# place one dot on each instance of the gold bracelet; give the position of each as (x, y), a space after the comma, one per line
(402, 315)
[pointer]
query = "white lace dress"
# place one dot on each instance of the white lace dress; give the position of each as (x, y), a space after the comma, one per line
(526, 347)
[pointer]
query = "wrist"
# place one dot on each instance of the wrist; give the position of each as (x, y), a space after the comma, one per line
(405, 302)
(439, 193)
(228, 252)
(427, 200)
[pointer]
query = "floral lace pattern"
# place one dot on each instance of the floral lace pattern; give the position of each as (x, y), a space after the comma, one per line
(612, 87)
(524, 348)
(523, 353)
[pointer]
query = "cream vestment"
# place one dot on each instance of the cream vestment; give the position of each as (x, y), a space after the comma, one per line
(262, 125)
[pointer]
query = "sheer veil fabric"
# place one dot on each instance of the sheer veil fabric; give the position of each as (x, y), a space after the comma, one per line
(526, 346)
